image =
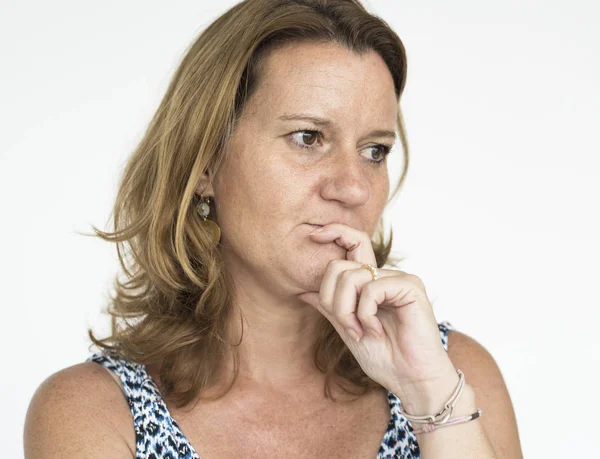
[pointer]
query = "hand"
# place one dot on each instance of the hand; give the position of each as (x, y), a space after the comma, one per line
(388, 323)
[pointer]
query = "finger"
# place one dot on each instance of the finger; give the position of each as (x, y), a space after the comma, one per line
(328, 284)
(381, 291)
(345, 299)
(311, 298)
(357, 243)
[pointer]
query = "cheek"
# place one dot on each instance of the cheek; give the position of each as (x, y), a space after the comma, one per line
(381, 188)
(380, 191)
(254, 195)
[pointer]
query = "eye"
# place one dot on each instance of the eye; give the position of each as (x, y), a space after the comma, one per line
(380, 154)
(306, 137)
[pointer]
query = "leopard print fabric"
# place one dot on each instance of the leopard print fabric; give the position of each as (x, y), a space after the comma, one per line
(158, 435)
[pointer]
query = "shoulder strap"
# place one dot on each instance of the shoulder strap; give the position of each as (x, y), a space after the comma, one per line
(444, 328)
(128, 372)
(157, 433)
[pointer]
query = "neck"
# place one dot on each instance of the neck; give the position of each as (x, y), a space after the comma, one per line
(276, 331)
(276, 339)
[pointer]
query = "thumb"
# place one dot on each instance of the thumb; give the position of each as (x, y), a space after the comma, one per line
(311, 298)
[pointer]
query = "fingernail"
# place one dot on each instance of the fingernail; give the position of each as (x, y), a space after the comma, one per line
(318, 230)
(373, 333)
(353, 334)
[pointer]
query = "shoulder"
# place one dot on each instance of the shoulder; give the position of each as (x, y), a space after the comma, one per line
(475, 361)
(464, 349)
(79, 408)
(483, 374)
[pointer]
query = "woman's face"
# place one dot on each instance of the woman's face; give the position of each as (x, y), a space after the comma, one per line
(276, 183)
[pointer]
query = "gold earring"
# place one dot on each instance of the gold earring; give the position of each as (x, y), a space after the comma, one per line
(209, 224)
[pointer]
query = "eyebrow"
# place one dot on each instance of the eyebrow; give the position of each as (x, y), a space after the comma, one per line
(322, 122)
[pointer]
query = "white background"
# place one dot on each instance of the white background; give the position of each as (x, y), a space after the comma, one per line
(499, 215)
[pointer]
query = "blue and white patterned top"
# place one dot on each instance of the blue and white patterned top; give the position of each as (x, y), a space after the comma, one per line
(158, 435)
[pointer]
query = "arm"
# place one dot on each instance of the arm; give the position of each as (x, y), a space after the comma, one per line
(386, 319)
(78, 412)
(494, 434)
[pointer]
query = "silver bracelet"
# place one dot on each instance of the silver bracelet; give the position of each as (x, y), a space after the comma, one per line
(442, 416)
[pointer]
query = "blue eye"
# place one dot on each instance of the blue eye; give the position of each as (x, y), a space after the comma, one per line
(307, 134)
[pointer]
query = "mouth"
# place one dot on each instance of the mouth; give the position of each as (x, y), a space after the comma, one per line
(315, 225)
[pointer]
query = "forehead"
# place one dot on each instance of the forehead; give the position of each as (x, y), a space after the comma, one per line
(327, 79)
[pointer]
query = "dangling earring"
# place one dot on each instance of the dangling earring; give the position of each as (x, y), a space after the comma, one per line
(209, 225)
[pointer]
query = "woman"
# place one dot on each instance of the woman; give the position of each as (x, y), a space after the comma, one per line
(258, 319)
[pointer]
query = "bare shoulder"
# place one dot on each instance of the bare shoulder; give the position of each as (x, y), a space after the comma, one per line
(484, 376)
(79, 411)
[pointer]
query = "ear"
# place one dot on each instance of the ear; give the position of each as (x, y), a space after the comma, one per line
(205, 186)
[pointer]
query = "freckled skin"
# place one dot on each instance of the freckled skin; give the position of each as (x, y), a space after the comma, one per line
(270, 188)
(264, 197)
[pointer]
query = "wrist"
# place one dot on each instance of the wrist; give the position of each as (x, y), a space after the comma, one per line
(428, 398)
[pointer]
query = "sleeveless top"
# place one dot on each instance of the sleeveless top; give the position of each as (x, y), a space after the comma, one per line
(158, 435)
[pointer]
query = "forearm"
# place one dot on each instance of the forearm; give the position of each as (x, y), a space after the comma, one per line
(466, 440)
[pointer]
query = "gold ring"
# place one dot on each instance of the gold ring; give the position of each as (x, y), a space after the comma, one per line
(373, 270)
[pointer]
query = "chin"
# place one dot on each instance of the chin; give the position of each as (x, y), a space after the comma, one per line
(316, 264)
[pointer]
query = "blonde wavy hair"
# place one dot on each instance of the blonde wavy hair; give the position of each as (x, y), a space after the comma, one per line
(176, 301)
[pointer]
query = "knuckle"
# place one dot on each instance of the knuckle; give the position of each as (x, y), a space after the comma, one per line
(416, 280)
(368, 290)
(346, 276)
(335, 264)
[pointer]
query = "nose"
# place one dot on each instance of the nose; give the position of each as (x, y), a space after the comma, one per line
(346, 179)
